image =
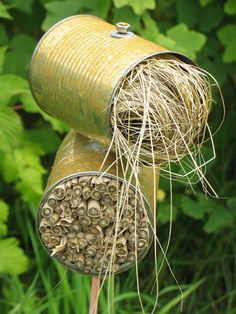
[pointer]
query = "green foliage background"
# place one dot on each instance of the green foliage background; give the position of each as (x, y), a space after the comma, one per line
(202, 251)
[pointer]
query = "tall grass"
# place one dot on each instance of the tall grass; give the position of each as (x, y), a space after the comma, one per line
(205, 266)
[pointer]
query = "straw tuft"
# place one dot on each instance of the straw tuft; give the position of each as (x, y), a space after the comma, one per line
(163, 105)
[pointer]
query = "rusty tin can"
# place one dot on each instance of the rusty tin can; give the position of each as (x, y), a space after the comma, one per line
(79, 156)
(77, 67)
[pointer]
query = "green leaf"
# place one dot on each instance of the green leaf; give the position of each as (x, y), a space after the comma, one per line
(23, 166)
(231, 204)
(187, 41)
(192, 208)
(11, 129)
(4, 11)
(186, 12)
(164, 41)
(205, 2)
(9, 168)
(58, 10)
(30, 172)
(28, 157)
(13, 260)
(206, 203)
(23, 5)
(126, 14)
(45, 137)
(230, 7)
(150, 30)
(192, 14)
(230, 53)
(163, 210)
(57, 125)
(29, 105)
(16, 53)
(219, 70)
(227, 35)
(219, 219)
(97, 7)
(4, 211)
(28, 102)
(30, 186)
(215, 12)
(12, 85)
(139, 6)
(3, 36)
(2, 56)
(3, 229)
(22, 295)
(169, 306)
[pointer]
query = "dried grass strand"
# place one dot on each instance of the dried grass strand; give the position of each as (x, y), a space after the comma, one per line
(159, 115)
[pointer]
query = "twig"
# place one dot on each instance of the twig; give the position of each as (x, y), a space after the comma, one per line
(93, 307)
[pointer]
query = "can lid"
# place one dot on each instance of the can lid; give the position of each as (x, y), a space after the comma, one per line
(122, 30)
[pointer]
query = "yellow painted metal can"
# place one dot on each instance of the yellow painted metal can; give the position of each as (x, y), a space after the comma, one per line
(79, 157)
(77, 67)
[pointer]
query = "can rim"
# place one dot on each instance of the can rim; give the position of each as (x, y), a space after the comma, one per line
(180, 56)
(127, 265)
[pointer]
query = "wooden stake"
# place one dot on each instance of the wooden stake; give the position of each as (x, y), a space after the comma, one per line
(93, 307)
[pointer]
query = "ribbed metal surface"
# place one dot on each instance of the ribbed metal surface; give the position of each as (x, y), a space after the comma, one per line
(78, 154)
(77, 67)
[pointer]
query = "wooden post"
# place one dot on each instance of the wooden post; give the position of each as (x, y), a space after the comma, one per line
(93, 307)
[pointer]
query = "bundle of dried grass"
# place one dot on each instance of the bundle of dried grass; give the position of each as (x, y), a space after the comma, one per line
(158, 116)
(160, 111)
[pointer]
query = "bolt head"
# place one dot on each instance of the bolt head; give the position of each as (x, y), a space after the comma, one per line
(122, 27)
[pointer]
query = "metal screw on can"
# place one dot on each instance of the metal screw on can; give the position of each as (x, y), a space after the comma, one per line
(122, 27)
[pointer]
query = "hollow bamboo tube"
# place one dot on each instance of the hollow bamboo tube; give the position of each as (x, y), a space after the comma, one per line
(74, 182)
(52, 201)
(74, 202)
(121, 242)
(82, 208)
(84, 181)
(77, 191)
(53, 219)
(89, 237)
(47, 210)
(90, 250)
(80, 261)
(100, 185)
(86, 192)
(93, 208)
(113, 186)
(104, 222)
(60, 192)
(75, 226)
(96, 194)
